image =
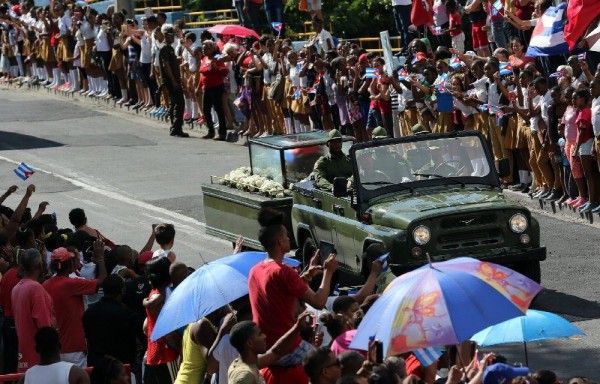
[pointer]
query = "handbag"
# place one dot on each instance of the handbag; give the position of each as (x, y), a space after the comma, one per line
(277, 89)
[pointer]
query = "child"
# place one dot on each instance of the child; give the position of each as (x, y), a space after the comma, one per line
(165, 237)
(455, 28)
(124, 268)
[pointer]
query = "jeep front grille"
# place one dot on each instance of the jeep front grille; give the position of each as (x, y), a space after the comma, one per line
(467, 221)
(461, 240)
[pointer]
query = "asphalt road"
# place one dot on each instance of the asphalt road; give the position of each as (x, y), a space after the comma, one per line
(127, 173)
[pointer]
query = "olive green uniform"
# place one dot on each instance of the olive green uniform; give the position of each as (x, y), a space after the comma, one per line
(329, 167)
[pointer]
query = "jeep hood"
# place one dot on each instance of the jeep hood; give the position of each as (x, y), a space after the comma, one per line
(400, 210)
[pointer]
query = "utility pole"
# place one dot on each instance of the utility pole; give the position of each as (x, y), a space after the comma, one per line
(127, 5)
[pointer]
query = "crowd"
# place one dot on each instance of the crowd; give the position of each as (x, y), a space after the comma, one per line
(71, 298)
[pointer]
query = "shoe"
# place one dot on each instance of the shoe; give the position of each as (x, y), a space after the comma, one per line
(539, 193)
(122, 101)
(179, 134)
(186, 116)
(588, 207)
(580, 203)
(526, 189)
(555, 195)
(545, 194)
(209, 135)
(517, 187)
(569, 201)
(563, 199)
(138, 106)
(220, 138)
(596, 210)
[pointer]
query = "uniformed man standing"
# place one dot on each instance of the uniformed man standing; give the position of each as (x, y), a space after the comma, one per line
(171, 79)
(335, 164)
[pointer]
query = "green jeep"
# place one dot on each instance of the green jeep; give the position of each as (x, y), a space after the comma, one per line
(431, 196)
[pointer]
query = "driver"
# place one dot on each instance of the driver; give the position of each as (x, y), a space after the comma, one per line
(437, 165)
(335, 164)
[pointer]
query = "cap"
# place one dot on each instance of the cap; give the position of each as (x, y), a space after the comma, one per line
(145, 257)
(419, 129)
(503, 373)
(167, 29)
(426, 41)
(363, 57)
(334, 134)
(61, 254)
(16, 9)
(379, 133)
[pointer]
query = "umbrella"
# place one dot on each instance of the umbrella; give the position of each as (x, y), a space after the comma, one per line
(235, 30)
(444, 303)
(209, 288)
(535, 325)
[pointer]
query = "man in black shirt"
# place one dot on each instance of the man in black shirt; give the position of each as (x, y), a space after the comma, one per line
(110, 327)
(171, 80)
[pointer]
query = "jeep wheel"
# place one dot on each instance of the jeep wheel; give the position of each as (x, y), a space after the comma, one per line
(308, 250)
(530, 269)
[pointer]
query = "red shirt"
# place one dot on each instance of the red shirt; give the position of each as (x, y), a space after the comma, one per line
(158, 351)
(273, 289)
(584, 125)
(32, 309)
(9, 280)
(455, 21)
(67, 295)
(212, 77)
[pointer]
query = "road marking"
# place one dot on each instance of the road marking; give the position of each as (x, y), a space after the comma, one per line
(115, 196)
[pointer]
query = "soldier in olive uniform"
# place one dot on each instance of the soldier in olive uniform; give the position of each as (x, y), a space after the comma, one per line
(335, 164)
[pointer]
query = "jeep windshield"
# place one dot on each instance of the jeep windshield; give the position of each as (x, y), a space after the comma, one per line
(418, 161)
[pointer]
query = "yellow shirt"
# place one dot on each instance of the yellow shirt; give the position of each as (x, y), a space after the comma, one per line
(193, 361)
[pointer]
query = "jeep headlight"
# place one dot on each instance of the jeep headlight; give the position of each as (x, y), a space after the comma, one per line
(518, 223)
(421, 235)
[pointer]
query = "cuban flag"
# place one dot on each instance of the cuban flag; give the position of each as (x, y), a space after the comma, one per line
(454, 62)
(372, 73)
(402, 74)
(418, 57)
(498, 8)
(427, 356)
(581, 56)
(297, 94)
(277, 27)
(82, 2)
(557, 74)
(485, 107)
(311, 91)
(505, 69)
(440, 82)
(548, 37)
(24, 171)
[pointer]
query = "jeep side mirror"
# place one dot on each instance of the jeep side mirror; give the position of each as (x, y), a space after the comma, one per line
(340, 187)
(503, 167)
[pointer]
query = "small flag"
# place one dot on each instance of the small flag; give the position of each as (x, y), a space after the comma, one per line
(581, 56)
(277, 27)
(427, 356)
(24, 171)
(505, 69)
(443, 88)
(485, 107)
(82, 2)
(498, 8)
(311, 91)
(557, 74)
(402, 74)
(499, 116)
(372, 73)
(297, 94)
(441, 81)
(454, 62)
(418, 57)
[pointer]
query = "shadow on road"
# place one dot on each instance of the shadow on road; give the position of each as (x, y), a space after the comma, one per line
(12, 140)
(563, 303)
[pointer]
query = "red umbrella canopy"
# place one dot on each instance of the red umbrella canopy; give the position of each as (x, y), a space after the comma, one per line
(235, 30)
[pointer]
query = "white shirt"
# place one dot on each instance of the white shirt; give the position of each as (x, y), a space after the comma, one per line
(87, 30)
(493, 94)
(102, 41)
(322, 38)
(50, 374)
(146, 51)
(268, 78)
(64, 24)
(295, 78)
(545, 104)
(401, 2)
(596, 116)
(225, 354)
(189, 58)
(535, 120)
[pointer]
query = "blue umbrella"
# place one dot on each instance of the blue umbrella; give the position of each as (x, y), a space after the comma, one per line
(209, 288)
(533, 326)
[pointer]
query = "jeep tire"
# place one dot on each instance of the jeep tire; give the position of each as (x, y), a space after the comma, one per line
(531, 269)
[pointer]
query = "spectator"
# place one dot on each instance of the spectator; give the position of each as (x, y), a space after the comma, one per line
(165, 237)
(111, 328)
(51, 369)
(251, 9)
(322, 366)
(32, 307)
(9, 333)
(67, 295)
(109, 371)
(402, 10)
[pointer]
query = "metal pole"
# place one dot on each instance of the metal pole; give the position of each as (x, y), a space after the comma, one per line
(526, 358)
(127, 5)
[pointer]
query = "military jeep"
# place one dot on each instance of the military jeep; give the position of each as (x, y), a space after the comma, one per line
(433, 196)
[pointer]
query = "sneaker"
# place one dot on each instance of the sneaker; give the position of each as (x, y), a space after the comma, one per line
(209, 135)
(580, 204)
(563, 199)
(517, 187)
(186, 116)
(588, 207)
(220, 138)
(555, 195)
(596, 210)
(569, 201)
(539, 193)
(545, 194)
(179, 134)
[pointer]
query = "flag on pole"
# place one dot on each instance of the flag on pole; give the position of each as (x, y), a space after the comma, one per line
(372, 73)
(557, 74)
(402, 74)
(581, 56)
(277, 27)
(427, 356)
(498, 8)
(419, 14)
(548, 38)
(24, 171)
(418, 57)
(505, 68)
(580, 14)
(454, 62)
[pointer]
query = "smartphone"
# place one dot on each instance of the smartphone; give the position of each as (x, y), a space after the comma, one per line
(375, 351)
(326, 248)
